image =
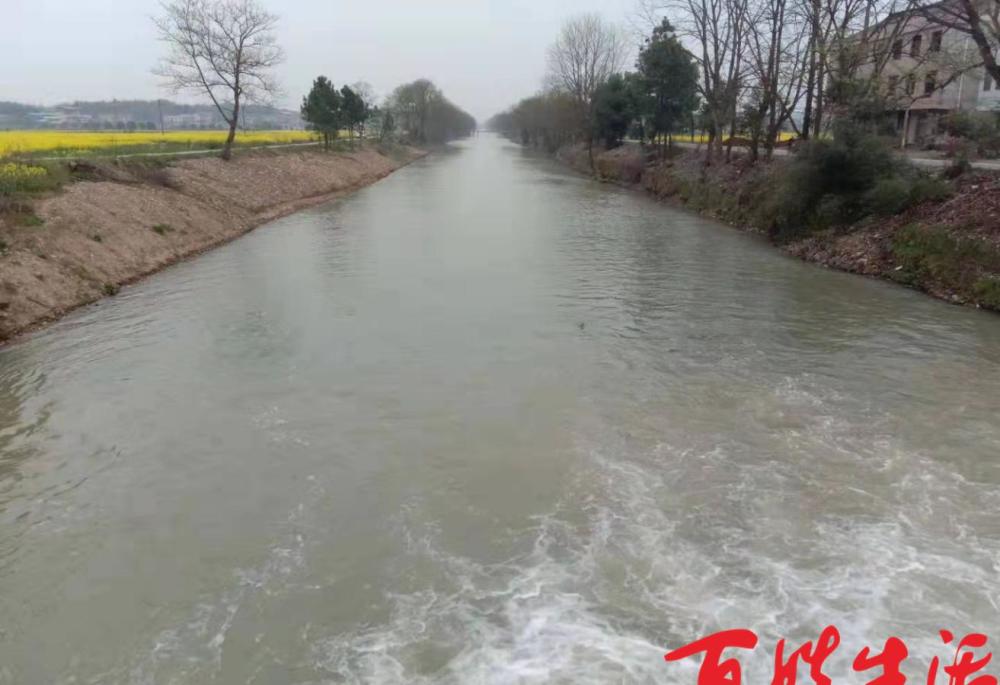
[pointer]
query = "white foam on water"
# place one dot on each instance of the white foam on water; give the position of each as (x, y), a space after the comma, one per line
(784, 549)
(649, 550)
(192, 651)
(575, 608)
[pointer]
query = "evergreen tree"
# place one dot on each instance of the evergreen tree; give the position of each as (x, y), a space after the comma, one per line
(354, 109)
(322, 110)
(615, 109)
(670, 79)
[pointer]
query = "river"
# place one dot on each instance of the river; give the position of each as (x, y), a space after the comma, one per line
(487, 421)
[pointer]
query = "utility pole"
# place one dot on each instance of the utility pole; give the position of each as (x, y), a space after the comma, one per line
(159, 106)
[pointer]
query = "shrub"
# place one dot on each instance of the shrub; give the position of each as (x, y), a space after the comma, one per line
(828, 180)
(928, 255)
(889, 196)
(959, 166)
(162, 229)
(4, 247)
(837, 210)
(837, 182)
(970, 125)
(926, 188)
(895, 194)
(981, 128)
(987, 292)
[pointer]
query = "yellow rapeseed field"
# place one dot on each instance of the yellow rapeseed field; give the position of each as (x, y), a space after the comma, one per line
(703, 137)
(35, 142)
(15, 177)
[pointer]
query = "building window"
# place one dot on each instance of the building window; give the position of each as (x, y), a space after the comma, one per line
(897, 50)
(911, 84)
(916, 46)
(930, 82)
(893, 85)
(936, 41)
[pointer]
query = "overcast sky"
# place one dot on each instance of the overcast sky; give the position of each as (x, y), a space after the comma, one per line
(484, 54)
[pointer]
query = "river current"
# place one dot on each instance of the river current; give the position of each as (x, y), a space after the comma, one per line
(487, 421)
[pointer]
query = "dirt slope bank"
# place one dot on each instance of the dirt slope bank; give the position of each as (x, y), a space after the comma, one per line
(130, 222)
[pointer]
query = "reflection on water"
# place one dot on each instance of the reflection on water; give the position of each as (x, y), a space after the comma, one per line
(487, 421)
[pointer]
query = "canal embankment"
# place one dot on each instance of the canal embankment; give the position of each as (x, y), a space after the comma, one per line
(112, 223)
(937, 235)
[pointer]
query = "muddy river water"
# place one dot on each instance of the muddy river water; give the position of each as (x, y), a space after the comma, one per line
(487, 421)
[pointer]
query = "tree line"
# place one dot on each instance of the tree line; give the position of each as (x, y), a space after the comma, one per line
(228, 51)
(590, 97)
(416, 112)
(749, 70)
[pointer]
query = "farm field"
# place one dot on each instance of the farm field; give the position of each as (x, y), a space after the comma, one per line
(56, 143)
(703, 137)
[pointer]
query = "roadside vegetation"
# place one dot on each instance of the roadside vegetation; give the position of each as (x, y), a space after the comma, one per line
(742, 79)
(20, 184)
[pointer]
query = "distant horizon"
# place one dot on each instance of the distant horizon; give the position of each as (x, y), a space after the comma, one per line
(171, 100)
(495, 55)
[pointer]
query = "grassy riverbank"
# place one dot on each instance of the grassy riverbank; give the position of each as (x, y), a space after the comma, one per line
(73, 233)
(936, 235)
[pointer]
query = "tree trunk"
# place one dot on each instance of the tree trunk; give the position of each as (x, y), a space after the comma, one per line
(732, 134)
(982, 41)
(711, 143)
(811, 79)
(818, 107)
(227, 150)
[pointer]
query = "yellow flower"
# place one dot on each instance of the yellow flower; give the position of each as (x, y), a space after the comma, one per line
(70, 142)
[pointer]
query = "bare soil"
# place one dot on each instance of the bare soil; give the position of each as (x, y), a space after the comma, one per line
(131, 221)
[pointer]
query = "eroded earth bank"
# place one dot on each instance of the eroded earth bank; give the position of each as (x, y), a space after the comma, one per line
(118, 222)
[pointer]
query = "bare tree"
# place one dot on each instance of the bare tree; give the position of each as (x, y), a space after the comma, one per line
(978, 19)
(842, 36)
(587, 51)
(777, 44)
(225, 48)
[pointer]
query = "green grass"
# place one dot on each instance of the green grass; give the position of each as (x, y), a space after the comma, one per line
(987, 292)
(933, 256)
(18, 179)
(162, 229)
